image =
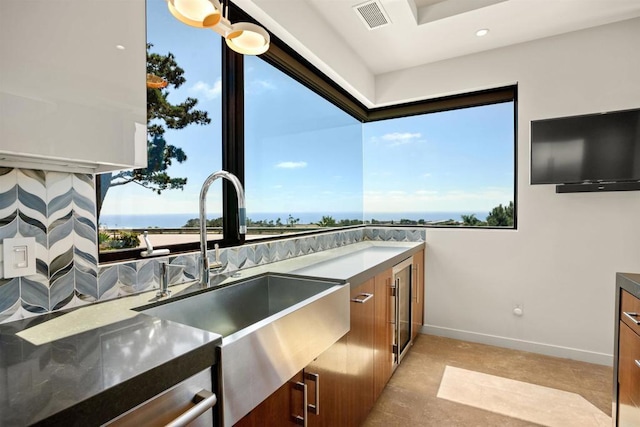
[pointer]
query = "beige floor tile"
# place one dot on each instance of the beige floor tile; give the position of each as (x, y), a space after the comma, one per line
(410, 398)
(543, 405)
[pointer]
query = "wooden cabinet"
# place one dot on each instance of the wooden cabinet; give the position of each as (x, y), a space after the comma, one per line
(325, 380)
(331, 371)
(628, 361)
(344, 382)
(73, 90)
(628, 377)
(417, 301)
(282, 408)
(339, 383)
(383, 346)
(360, 341)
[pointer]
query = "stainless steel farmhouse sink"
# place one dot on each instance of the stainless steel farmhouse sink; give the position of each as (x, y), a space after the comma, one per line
(272, 325)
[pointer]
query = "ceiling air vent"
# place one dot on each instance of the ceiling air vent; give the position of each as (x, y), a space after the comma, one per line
(372, 14)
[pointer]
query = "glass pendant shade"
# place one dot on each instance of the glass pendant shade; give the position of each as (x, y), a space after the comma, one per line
(248, 39)
(196, 13)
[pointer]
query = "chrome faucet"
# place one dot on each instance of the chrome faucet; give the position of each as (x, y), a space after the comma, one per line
(204, 261)
(164, 279)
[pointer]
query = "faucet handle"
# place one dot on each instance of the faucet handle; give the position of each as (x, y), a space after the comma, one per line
(216, 264)
(150, 251)
(164, 278)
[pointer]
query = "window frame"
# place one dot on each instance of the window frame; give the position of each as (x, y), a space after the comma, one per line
(285, 59)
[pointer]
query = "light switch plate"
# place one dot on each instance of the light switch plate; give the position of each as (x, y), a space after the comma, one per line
(19, 256)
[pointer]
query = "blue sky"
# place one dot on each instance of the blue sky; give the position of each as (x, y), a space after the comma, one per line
(305, 155)
(460, 160)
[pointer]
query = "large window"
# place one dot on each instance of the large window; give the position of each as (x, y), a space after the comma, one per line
(310, 155)
(453, 168)
(302, 156)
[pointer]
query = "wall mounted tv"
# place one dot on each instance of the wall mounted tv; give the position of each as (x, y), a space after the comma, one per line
(591, 152)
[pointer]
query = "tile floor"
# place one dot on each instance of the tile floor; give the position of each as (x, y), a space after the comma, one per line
(410, 398)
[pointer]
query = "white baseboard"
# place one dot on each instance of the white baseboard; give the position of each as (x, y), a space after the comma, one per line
(516, 344)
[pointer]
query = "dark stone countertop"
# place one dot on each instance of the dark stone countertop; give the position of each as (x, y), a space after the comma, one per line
(630, 282)
(91, 377)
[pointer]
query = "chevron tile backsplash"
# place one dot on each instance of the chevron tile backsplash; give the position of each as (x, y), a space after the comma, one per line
(58, 209)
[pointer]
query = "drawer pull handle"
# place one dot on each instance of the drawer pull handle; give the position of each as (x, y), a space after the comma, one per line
(204, 401)
(359, 300)
(632, 316)
(314, 407)
(301, 420)
(637, 363)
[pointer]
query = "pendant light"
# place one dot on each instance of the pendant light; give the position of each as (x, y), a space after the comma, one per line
(248, 39)
(243, 37)
(196, 13)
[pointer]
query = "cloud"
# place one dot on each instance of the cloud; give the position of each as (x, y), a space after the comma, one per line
(291, 165)
(258, 86)
(426, 175)
(208, 91)
(401, 138)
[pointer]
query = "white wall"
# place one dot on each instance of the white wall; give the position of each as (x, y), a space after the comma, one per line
(561, 262)
(314, 39)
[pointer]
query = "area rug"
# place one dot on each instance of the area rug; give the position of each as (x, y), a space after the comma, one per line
(529, 402)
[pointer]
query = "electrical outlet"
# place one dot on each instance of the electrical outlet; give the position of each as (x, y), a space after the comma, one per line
(518, 310)
(19, 256)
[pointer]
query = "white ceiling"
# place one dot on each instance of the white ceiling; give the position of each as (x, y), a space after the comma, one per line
(329, 32)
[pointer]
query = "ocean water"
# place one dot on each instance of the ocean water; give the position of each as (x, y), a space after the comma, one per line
(179, 220)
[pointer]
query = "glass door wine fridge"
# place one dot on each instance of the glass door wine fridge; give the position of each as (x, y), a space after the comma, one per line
(401, 309)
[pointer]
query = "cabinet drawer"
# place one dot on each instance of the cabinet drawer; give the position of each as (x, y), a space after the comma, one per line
(629, 373)
(189, 401)
(630, 311)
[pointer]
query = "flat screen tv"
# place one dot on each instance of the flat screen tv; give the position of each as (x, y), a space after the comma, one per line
(603, 147)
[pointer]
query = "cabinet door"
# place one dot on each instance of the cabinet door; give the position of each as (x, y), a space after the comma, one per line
(383, 351)
(281, 408)
(628, 377)
(331, 401)
(73, 90)
(360, 340)
(417, 302)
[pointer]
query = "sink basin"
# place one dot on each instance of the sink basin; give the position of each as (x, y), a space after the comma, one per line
(233, 308)
(273, 325)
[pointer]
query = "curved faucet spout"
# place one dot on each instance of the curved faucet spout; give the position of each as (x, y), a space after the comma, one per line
(242, 225)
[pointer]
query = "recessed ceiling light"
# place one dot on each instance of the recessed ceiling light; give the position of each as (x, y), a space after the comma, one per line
(482, 32)
(120, 47)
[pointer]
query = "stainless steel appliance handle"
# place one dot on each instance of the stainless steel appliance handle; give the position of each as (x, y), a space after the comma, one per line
(395, 348)
(315, 406)
(632, 316)
(398, 300)
(414, 284)
(637, 362)
(301, 419)
(204, 401)
(417, 281)
(359, 300)
(392, 295)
